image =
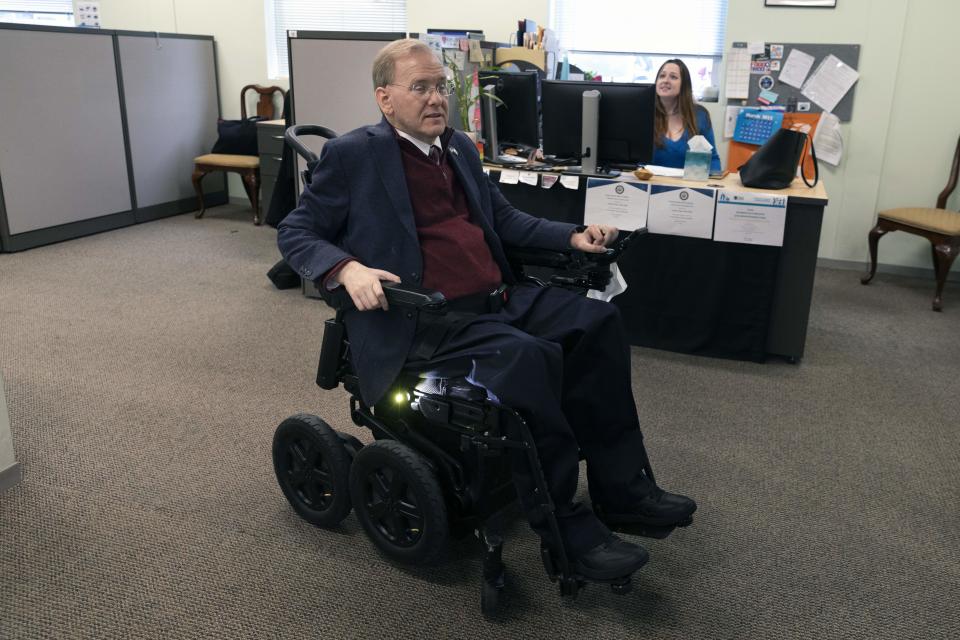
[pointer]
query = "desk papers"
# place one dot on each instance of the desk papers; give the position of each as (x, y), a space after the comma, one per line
(750, 218)
(681, 211)
(509, 176)
(666, 172)
(529, 177)
(617, 203)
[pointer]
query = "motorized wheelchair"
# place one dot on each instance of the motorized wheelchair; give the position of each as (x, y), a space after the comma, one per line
(440, 463)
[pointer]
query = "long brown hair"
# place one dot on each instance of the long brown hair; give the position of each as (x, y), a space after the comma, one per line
(688, 110)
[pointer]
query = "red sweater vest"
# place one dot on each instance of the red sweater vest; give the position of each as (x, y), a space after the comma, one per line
(456, 258)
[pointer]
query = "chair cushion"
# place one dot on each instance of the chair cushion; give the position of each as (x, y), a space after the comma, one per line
(229, 160)
(936, 220)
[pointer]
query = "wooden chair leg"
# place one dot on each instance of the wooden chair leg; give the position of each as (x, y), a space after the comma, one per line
(198, 188)
(874, 241)
(944, 254)
(251, 183)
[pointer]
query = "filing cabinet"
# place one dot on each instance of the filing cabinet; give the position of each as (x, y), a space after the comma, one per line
(270, 148)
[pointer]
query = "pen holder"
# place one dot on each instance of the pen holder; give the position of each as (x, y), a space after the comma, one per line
(696, 166)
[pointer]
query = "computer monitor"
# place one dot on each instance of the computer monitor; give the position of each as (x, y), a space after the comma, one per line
(518, 118)
(625, 129)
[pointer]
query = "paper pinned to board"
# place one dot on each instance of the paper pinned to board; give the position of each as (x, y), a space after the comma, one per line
(796, 68)
(827, 139)
(730, 121)
(737, 85)
(830, 82)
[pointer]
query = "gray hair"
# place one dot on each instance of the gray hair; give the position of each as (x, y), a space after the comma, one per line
(384, 65)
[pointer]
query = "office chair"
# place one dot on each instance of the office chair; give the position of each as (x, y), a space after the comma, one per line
(938, 225)
(248, 166)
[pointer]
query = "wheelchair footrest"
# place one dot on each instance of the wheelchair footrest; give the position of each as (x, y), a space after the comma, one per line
(646, 530)
(570, 585)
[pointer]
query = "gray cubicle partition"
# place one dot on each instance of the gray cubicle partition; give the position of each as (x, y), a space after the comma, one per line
(170, 92)
(62, 152)
(330, 79)
(99, 129)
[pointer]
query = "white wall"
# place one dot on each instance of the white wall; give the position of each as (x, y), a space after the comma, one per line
(898, 146)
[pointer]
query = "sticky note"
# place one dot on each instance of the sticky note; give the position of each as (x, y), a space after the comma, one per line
(769, 96)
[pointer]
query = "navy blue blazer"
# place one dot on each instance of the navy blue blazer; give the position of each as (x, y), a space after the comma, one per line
(357, 205)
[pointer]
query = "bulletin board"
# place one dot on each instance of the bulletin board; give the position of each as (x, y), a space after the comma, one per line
(790, 96)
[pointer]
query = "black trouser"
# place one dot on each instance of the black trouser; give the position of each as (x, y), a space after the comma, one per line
(563, 362)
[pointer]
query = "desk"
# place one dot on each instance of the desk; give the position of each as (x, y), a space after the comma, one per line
(704, 297)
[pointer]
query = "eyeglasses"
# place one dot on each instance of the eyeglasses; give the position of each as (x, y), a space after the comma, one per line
(423, 90)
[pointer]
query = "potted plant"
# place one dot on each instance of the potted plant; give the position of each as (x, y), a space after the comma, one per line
(463, 91)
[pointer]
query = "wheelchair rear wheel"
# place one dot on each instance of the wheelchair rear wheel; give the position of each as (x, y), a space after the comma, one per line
(399, 503)
(313, 469)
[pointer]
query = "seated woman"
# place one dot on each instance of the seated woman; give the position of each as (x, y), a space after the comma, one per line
(677, 118)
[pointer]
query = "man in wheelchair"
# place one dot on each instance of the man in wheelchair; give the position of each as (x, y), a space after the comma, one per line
(406, 201)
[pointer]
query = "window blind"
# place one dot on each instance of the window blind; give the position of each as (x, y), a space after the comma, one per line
(677, 27)
(328, 15)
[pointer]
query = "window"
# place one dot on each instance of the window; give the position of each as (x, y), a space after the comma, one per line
(326, 15)
(51, 13)
(628, 40)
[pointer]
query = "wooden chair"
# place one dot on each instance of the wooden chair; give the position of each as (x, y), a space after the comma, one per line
(940, 226)
(247, 166)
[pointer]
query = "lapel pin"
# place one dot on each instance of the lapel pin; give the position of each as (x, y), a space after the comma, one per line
(454, 152)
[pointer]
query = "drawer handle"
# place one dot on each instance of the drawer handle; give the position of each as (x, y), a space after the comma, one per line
(277, 137)
(278, 158)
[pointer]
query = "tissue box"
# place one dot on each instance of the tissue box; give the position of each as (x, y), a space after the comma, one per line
(696, 166)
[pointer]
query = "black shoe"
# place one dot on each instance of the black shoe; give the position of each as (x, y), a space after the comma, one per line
(610, 560)
(658, 508)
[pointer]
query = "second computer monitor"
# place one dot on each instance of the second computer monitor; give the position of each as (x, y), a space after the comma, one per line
(625, 122)
(518, 120)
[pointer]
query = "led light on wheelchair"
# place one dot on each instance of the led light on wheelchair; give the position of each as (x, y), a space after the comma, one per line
(401, 397)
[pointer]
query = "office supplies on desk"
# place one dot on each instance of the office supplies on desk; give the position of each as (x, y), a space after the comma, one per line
(755, 126)
(667, 172)
(508, 159)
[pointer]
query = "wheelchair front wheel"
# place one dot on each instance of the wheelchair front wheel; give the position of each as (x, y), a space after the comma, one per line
(313, 469)
(399, 503)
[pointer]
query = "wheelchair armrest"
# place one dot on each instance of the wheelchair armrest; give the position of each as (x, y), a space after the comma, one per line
(560, 259)
(572, 268)
(411, 296)
(401, 295)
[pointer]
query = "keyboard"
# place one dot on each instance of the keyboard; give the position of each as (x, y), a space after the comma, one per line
(754, 126)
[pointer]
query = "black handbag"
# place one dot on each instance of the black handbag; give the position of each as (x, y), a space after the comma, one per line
(238, 137)
(774, 165)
